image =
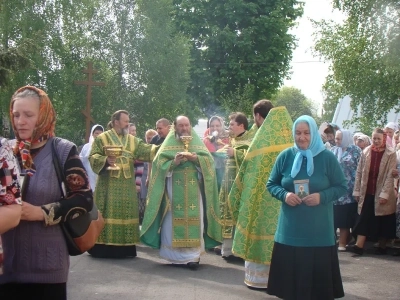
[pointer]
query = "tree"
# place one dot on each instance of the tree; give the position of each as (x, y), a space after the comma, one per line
(50, 35)
(240, 100)
(330, 99)
(133, 45)
(364, 55)
(236, 46)
(163, 54)
(295, 102)
(11, 60)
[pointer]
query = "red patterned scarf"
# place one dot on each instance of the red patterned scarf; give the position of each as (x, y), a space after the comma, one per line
(44, 128)
(382, 146)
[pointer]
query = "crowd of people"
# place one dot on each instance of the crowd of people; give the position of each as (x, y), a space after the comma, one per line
(284, 197)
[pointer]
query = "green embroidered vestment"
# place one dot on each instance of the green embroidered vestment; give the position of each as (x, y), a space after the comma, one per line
(186, 186)
(115, 194)
(255, 212)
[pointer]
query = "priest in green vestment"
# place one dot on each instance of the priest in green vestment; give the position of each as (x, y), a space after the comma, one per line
(115, 194)
(239, 142)
(181, 217)
(254, 210)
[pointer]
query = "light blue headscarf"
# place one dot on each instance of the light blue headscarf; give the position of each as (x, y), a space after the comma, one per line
(316, 146)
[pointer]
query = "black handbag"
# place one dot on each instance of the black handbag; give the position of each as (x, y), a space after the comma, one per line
(82, 231)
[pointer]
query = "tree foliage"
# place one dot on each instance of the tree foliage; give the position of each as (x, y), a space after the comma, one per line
(237, 46)
(131, 43)
(239, 100)
(295, 102)
(158, 58)
(364, 52)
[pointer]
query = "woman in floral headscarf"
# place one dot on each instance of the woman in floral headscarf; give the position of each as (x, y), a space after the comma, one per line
(36, 259)
(374, 192)
(216, 136)
(345, 208)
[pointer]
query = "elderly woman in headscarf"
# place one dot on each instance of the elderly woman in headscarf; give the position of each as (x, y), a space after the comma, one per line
(327, 132)
(389, 130)
(374, 192)
(355, 136)
(363, 141)
(84, 155)
(345, 208)
(36, 259)
(304, 258)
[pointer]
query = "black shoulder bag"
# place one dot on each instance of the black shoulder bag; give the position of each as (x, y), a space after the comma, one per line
(82, 231)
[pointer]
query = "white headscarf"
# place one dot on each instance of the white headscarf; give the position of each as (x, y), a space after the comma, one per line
(347, 140)
(392, 125)
(91, 138)
(84, 155)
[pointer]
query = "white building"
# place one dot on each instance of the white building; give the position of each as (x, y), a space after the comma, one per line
(344, 112)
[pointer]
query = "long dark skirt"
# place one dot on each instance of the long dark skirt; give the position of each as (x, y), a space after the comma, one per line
(345, 216)
(34, 291)
(374, 227)
(305, 273)
(110, 251)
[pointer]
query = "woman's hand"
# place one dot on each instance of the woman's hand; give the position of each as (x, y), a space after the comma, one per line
(292, 199)
(312, 199)
(31, 212)
(382, 201)
(357, 198)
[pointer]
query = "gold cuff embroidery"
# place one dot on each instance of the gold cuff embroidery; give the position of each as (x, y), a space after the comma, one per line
(49, 218)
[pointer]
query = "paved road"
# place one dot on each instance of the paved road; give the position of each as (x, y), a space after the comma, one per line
(149, 277)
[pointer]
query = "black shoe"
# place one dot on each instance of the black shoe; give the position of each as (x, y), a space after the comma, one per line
(257, 289)
(232, 258)
(357, 250)
(217, 251)
(193, 265)
(380, 251)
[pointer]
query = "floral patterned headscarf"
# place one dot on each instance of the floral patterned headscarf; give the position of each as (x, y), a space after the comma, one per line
(44, 127)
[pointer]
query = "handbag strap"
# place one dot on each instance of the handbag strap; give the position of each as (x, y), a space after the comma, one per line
(24, 187)
(57, 166)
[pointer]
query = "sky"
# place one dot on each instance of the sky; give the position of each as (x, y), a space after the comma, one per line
(308, 72)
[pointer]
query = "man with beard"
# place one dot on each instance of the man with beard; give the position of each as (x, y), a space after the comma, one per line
(182, 195)
(254, 211)
(115, 194)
